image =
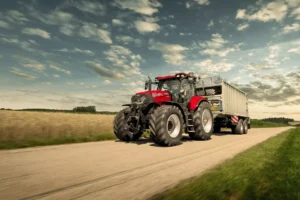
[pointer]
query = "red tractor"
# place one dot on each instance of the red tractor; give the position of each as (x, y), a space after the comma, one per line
(167, 110)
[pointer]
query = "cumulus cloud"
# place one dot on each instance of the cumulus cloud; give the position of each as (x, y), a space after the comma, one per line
(4, 24)
(256, 68)
(202, 2)
(210, 66)
(56, 75)
(68, 29)
(60, 69)
(66, 21)
(146, 27)
(217, 41)
(95, 8)
(18, 73)
(291, 28)
(193, 3)
(272, 58)
(118, 22)
(123, 58)
(145, 7)
(242, 27)
(27, 46)
(276, 10)
(296, 13)
(46, 83)
(56, 17)
(128, 40)
(30, 63)
(15, 17)
(91, 31)
(294, 50)
(210, 24)
(102, 71)
(272, 88)
(216, 46)
(293, 3)
(172, 53)
(107, 82)
(36, 31)
(77, 50)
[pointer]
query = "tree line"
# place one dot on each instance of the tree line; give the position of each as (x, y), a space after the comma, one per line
(279, 120)
(79, 109)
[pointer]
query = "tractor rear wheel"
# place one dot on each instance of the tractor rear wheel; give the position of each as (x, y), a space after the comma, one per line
(203, 122)
(166, 125)
(119, 128)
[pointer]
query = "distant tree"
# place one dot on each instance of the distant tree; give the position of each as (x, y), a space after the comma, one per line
(279, 120)
(89, 109)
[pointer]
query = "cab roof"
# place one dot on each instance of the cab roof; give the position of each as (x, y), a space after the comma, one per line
(177, 75)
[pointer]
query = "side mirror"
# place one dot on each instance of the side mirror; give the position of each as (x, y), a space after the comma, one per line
(146, 85)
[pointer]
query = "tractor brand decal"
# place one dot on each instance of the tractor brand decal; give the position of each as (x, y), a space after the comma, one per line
(234, 119)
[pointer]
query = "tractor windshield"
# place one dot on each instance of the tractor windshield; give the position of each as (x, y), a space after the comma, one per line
(170, 85)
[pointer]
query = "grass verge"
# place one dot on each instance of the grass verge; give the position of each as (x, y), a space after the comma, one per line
(269, 170)
(255, 123)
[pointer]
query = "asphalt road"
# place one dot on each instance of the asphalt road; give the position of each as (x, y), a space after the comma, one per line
(112, 169)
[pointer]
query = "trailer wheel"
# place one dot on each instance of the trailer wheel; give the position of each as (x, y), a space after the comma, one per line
(245, 123)
(239, 128)
(203, 122)
(166, 126)
(119, 128)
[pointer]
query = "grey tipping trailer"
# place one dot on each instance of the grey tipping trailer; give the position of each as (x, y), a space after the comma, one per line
(228, 103)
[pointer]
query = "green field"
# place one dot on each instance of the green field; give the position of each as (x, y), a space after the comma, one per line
(269, 170)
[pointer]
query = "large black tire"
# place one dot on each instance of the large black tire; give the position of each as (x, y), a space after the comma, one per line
(119, 128)
(239, 128)
(245, 123)
(166, 125)
(203, 131)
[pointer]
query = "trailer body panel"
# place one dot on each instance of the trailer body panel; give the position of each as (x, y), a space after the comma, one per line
(225, 98)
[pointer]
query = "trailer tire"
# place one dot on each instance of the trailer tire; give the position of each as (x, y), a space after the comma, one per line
(203, 132)
(166, 125)
(119, 128)
(239, 128)
(245, 123)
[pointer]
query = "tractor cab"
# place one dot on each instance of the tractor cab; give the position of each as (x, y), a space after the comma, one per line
(181, 86)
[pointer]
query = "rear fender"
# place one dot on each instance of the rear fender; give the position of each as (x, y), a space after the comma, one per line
(195, 102)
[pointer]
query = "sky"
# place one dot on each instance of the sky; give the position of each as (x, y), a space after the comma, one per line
(62, 54)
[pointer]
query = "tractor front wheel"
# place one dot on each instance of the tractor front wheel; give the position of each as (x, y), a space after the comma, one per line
(166, 126)
(119, 128)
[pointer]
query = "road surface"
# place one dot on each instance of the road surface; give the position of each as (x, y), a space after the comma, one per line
(112, 169)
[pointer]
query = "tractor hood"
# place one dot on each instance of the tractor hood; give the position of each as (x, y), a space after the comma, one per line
(159, 96)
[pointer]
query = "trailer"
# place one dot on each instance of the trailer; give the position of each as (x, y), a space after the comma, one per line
(228, 104)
